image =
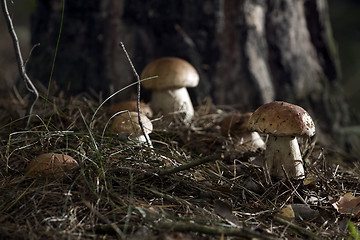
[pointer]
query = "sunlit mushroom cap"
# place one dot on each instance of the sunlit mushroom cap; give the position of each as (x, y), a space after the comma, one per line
(128, 122)
(171, 72)
(131, 106)
(50, 165)
(282, 119)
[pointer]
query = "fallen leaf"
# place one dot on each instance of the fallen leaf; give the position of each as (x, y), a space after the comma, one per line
(224, 210)
(310, 181)
(287, 212)
(304, 212)
(348, 204)
(298, 212)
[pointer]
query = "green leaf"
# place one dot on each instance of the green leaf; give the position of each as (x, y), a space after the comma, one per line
(354, 233)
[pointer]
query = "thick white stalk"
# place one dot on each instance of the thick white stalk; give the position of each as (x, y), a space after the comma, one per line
(174, 101)
(283, 151)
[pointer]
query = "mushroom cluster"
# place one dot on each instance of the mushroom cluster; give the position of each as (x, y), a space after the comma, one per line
(283, 122)
(169, 94)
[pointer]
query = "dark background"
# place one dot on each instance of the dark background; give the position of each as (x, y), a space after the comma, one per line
(344, 21)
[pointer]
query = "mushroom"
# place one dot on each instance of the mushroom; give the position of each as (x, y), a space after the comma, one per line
(50, 165)
(169, 94)
(283, 122)
(127, 125)
(131, 106)
(235, 125)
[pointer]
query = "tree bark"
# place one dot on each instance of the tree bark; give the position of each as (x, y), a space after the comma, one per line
(247, 52)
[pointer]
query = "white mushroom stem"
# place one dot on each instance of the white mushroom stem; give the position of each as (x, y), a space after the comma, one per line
(283, 153)
(141, 139)
(173, 101)
(253, 140)
(135, 138)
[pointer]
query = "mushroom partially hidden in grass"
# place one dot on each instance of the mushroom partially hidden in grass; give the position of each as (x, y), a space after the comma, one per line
(50, 165)
(283, 122)
(131, 106)
(235, 125)
(169, 94)
(127, 126)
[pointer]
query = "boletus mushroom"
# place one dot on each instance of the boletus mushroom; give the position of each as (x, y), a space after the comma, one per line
(235, 126)
(169, 94)
(131, 106)
(127, 125)
(50, 165)
(283, 122)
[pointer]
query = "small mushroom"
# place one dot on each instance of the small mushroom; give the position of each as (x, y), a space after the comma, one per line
(283, 122)
(131, 106)
(50, 165)
(169, 94)
(235, 125)
(127, 125)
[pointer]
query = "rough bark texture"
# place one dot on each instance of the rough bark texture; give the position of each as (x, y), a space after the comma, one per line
(247, 52)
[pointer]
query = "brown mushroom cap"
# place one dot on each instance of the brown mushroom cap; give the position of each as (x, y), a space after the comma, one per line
(235, 124)
(50, 165)
(282, 119)
(128, 122)
(131, 106)
(172, 73)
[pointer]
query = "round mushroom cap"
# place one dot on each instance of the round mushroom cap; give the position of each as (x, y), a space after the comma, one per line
(128, 122)
(171, 72)
(50, 165)
(235, 124)
(282, 119)
(132, 107)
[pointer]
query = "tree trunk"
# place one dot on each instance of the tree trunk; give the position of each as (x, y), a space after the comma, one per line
(247, 52)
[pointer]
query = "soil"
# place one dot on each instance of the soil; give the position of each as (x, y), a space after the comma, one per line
(193, 184)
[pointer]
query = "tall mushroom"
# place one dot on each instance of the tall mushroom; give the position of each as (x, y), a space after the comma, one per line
(169, 94)
(235, 125)
(127, 125)
(283, 122)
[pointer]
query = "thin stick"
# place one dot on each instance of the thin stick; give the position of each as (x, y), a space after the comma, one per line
(31, 51)
(138, 93)
(120, 234)
(131, 202)
(56, 49)
(191, 164)
(293, 187)
(212, 230)
(28, 83)
(297, 228)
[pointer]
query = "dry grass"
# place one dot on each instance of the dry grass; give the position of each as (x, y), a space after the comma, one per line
(125, 191)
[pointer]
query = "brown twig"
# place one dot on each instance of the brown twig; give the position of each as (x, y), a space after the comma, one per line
(191, 164)
(294, 190)
(119, 233)
(28, 83)
(212, 230)
(138, 93)
(297, 228)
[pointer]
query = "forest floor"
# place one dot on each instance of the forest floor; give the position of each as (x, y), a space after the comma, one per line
(125, 191)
